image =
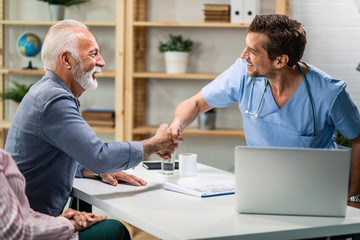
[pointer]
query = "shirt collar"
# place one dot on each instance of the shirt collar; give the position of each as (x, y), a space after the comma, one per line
(55, 78)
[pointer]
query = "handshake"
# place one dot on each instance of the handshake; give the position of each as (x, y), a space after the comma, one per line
(163, 143)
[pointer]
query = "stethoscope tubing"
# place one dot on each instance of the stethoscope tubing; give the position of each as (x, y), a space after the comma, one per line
(256, 113)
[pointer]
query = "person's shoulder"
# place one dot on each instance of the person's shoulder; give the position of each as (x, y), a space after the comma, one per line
(323, 79)
(240, 62)
(237, 68)
(47, 89)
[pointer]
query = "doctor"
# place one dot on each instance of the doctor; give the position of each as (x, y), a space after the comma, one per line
(283, 102)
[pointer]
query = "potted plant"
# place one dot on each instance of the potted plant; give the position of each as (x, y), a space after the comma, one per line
(176, 54)
(206, 120)
(57, 7)
(16, 93)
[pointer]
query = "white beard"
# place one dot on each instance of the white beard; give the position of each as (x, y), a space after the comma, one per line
(85, 79)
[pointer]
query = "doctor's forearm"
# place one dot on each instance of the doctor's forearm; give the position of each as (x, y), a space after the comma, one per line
(185, 113)
(188, 110)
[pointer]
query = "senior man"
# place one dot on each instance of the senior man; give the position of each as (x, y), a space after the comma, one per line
(49, 137)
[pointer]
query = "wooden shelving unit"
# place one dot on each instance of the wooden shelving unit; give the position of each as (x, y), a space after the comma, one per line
(136, 75)
(118, 74)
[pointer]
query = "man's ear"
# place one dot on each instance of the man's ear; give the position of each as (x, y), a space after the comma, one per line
(65, 59)
(281, 61)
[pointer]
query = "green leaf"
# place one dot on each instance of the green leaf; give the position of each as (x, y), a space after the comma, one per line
(176, 44)
(16, 93)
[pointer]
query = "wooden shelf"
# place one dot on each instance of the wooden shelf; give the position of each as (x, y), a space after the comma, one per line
(42, 72)
(190, 24)
(200, 76)
(49, 23)
(221, 132)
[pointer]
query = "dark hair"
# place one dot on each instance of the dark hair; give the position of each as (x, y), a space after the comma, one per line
(285, 36)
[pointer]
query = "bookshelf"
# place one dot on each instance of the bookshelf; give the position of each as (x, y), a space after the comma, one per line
(116, 25)
(137, 75)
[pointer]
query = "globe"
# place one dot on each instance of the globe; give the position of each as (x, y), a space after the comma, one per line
(29, 45)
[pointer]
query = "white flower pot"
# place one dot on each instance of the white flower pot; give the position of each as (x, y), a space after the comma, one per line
(176, 62)
(56, 12)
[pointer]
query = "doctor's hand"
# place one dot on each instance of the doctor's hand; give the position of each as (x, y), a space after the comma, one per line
(176, 131)
(161, 144)
(114, 178)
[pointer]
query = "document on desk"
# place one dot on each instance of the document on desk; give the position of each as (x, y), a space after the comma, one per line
(202, 189)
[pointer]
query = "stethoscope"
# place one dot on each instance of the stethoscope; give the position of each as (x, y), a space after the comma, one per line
(256, 113)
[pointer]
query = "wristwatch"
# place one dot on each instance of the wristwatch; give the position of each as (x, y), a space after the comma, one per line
(97, 176)
(355, 198)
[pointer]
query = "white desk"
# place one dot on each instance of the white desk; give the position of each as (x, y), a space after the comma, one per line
(171, 215)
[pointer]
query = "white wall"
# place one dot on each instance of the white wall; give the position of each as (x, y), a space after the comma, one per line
(333, 30)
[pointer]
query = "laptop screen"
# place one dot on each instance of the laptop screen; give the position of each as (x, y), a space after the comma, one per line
(294, 181)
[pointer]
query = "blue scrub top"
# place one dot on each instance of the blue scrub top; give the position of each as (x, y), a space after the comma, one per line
(292, 125)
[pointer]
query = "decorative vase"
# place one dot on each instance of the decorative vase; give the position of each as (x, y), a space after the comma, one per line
(56, 11)
(176, 62)
(206, 121)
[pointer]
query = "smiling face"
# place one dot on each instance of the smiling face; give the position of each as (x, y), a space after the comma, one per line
(89, 62)
(258, 61)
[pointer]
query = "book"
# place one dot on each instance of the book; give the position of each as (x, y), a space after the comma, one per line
(99, 118)
(202, 190)
(98, 113)
(220, 7)
(97, 123)
(216, 13)
(226, 18)
(215, 21)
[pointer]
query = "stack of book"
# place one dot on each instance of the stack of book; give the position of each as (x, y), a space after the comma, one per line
(99, 118)
(217, 12)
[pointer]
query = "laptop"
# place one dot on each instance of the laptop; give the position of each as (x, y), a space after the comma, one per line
(292, 181)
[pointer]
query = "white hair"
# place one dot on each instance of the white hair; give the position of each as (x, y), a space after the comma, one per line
(60, 37)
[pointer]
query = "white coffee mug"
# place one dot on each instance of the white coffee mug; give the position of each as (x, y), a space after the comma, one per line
(187, 164)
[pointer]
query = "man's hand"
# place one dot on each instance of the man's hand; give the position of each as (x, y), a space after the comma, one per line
(82, 220)
(113, 178)
(161, 144)
(176, 131)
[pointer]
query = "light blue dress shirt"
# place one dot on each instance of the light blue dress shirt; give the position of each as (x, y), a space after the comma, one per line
(48, 137)
(292, 125)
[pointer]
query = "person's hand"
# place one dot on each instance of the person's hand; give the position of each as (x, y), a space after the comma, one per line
(176, 131)
(113, 179)
(161, 143)
(82, 220)
(165, 142)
